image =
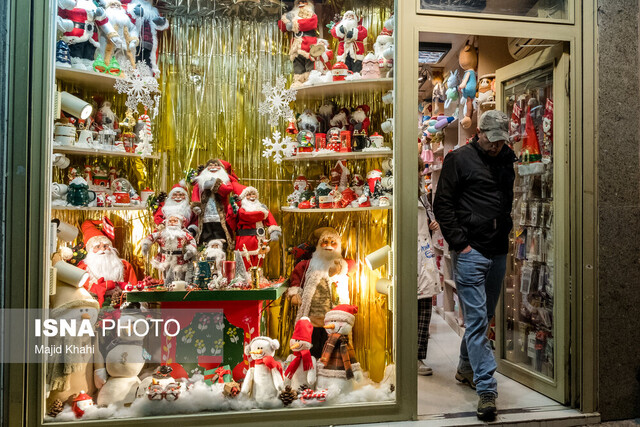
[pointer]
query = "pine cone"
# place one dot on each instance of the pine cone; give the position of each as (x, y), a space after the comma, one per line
(288, 395)
(56, 408)
(392, 388)
(302, 388)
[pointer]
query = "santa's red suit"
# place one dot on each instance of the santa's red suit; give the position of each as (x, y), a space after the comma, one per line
(304, 33)
(169, 206)
(85, 17)
(353, 47)
(173, 251)
(322, 62)
(102, 279)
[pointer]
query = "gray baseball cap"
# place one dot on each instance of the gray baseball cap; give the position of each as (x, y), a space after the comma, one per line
(495, 124)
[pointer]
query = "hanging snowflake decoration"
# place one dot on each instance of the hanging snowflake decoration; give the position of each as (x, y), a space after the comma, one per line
(138, 84)
(279, 147)
(277, 100)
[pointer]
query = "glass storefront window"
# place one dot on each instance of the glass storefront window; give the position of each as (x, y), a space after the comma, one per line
(540, 9)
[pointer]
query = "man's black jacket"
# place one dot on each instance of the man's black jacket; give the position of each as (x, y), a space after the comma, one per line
(474, 197)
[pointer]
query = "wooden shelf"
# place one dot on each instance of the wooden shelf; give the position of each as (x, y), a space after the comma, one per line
(309, 157)
(201, 295)
(346, 87)
(82, 151)
(97, 208)
(90, 79)
(371, 208)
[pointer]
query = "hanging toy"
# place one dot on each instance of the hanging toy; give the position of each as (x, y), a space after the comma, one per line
(468, 59)
(436, 124)
(547, 129)
(530, 157)
(514, 123)
(452, 88)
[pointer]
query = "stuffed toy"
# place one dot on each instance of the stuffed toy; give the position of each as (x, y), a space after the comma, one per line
(264, 379)
(486, 91)
(438, 95)
(127, 31)
(302, 23)
(468, 59)
(340, 119)
(321, 55)
(359, 120)
(308, 121)
(351, 35)
(338, 368)
(301, 365)
(384, 43)
(452, 88)
(148, 22)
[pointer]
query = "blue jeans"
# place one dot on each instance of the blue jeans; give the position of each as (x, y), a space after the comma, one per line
(478, 282)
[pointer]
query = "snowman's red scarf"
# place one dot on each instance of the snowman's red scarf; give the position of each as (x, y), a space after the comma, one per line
(307, 362)
(269, 362)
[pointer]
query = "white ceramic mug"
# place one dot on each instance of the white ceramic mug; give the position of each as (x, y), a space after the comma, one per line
(387, 98)
(387, 126)
(85, 137)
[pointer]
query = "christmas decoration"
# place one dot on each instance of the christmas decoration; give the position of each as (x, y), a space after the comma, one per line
(138, 83)
(308, 395)
(382, 47)
(530, 156)
(547, 129)
(321, 55)
(148, 22)
(370, 67)
(487, 91)
(56, 407)
(80, 403)
(277, 100)
(288, 395)
(300, 185)
(438, 95)
(301, 369)
(231, 389)
(351, 34)
(468, 59)
(359, 120)
(144, 148)
(302, 23)
(264, 380)
(279, 147)
(126, 30)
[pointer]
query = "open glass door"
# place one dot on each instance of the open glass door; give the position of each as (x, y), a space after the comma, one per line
(533, 319)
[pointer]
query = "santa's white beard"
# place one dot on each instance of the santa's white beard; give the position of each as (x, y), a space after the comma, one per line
(149, 11)
(171, 235)
(305, 9)
(118, 17)
(349, 24)
(322, 259)
(326, 111)
(359, 116)
(250, 206)
(106, 264)
(207, 175)
(171, 207)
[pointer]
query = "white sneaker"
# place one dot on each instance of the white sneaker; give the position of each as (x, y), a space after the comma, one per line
(423, 369)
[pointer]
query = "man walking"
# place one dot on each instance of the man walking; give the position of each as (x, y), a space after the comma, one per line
(473, 207)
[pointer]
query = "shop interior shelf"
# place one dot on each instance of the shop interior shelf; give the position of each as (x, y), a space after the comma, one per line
(201, 295)
(346, 87)
(310, 157)
(98, 208)
(370, 208)
(88, 79)
(97, 152)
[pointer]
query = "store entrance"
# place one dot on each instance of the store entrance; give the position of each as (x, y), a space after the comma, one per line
(524, 78)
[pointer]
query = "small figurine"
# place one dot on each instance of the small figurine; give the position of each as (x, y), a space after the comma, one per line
(125, 29)
(302, 23)
(308, 121)
(323, 195)
(80, 403)
(321, 54)
(214, 253)
(148, 23)
(264, 380)
(177, 201)
(325, 113)
(486, 91)
(384, 43)
(300, 185)
(351, 46)
(373, 189)
(468, 59)
(359, 119)
(357, 184)
(301, 369)
(340, 119)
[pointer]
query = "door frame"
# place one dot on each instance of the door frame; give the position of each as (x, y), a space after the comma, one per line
(558, 387)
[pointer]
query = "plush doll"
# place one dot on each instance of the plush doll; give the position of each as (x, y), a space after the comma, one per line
(308, 121)
(264, 379)
(452, 88)
(340, 119)
(302, 23)
(384, 43)
(126, 30)
(351, 35)
(79, 21)
(468, 59)
(359, 120)
(301, 365)
(148, 22)
(438, 95)
(321, 55)
(338, 368)
(486, 92)
(123, 362)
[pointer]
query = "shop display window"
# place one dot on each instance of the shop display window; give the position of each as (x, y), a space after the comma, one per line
(225, 170)
(540, 9)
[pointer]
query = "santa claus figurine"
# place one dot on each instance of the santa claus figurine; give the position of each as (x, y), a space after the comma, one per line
(177, 249)
(80, 403)
(177, 202)
(302, 23)
(321, 55)
(79, 21)
(210, 200)
(360, 120)
(351, 35)
(300, 185)
(254, 227)
(106, 269)
(373, 190)
(318, 284)
(148, 22)
(125, 28)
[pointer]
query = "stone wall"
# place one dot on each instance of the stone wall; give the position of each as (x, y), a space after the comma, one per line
(619, 209)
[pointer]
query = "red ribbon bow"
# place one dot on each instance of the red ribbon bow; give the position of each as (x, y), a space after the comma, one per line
(307, 362)
(220, 372)
(101, 287)
(269, 362)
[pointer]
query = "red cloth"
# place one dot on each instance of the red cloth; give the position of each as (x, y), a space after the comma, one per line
(304, 25)
(79, 15)
(246, 221)
(307, 362)
(101, 287)
(358, 44)
(269, 362)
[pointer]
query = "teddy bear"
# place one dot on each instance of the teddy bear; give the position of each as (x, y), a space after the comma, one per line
(486, 91)
(264, 379)
(301, 365)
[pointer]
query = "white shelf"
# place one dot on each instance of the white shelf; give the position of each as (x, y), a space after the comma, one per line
(310, 157)
(97, 152)
(298, 210)
(89, 79)
(96, 208)
(345, 87)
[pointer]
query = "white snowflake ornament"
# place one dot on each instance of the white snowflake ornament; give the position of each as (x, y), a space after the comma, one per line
(138, 84)
(279, 147)
(277, 100)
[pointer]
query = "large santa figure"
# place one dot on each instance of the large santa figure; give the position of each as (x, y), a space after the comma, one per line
(79, 21)
(210, 200)
(148, 22)
(302, 23)
(177, 202)
(126, 29)
(177, 249)
(106, 269)
(351, 35)
(320, 283)
(254, 227)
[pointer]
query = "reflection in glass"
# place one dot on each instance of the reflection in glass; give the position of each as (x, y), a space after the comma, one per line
(545, 9)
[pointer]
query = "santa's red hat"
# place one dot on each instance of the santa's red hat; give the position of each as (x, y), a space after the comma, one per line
(342, 313)
(92, 235)
(303, 330)
(180, 186)
(81, 397)
(249, 190)
(364, 108)
(386, 32)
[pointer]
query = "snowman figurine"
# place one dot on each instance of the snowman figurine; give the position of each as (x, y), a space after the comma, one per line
(301, 369)
(264, 380)
(335, 371)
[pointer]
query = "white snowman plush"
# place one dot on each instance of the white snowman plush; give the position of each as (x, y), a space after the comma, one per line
(302, 367)
(123, 363)
(264, 380)
(338, 367)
